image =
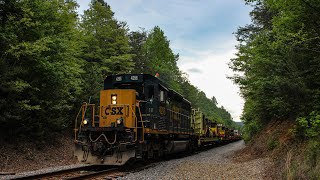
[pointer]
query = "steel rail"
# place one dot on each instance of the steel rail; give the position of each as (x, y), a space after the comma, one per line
(58, 173)
(95, 174)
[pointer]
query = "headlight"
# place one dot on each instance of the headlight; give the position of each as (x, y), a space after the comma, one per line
(85, 122)
(119, 120)
(113, 99)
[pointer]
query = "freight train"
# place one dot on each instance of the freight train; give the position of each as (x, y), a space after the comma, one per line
(138, 118)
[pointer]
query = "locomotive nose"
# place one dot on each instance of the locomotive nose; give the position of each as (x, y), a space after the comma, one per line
(117, 108)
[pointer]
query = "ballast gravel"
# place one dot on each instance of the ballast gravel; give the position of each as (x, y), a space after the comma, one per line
(211, 164)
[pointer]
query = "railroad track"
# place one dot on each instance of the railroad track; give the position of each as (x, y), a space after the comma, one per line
(104, 174)
(90, 172)
(87, 172)
(102, 171)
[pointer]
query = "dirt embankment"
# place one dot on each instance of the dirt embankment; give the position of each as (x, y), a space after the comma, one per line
(278, 143)
(26, 156)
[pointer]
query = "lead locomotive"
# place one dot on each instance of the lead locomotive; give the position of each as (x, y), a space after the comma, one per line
(139, 117)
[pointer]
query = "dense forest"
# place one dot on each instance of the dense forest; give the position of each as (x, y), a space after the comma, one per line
(278, 65)
(53, 59)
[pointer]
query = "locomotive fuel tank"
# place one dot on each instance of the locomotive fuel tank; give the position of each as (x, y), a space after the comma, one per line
(176, 146)
(179, 146)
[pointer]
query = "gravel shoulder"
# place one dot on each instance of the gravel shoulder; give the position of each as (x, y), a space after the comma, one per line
(215, 163)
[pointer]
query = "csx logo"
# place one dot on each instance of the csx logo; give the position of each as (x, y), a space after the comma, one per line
(114, 111)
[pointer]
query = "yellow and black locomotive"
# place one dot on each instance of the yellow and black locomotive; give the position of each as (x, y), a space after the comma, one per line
(138, 117)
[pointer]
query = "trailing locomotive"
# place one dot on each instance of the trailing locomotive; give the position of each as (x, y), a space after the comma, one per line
(138, 117)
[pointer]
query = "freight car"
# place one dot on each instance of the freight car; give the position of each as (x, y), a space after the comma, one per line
(139, 117)
(235, 135)
(209, 132)
(206, 131)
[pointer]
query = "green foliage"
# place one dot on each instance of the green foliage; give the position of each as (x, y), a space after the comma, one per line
(106, 48)
(250, 117)
(161, 59)
(278, 57)
(137, 41)
(251, 128)
(40, 67)
(278, 60)
(308, 127)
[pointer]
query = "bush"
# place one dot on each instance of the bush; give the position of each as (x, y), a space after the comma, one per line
(251, 128)
(308, 127)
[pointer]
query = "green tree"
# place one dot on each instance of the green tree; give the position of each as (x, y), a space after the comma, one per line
(106, 48)
(214, 100)
(40, 67)
(161, 59)
(279, 59)
(137, 41)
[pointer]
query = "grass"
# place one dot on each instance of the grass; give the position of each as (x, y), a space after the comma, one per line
(303, 163)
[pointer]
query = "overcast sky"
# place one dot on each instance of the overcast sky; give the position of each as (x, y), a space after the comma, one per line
(201, 31)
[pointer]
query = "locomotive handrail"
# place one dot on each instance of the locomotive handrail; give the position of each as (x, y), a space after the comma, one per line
(178, 113)
(93, 113)
(142, 122)
(136, 123)
(83, 109)
(75, 124)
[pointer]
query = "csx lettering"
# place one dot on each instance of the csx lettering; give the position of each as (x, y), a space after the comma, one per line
(114, 111)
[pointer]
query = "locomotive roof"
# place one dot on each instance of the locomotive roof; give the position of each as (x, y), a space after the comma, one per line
(132, 78)
(140, 78)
